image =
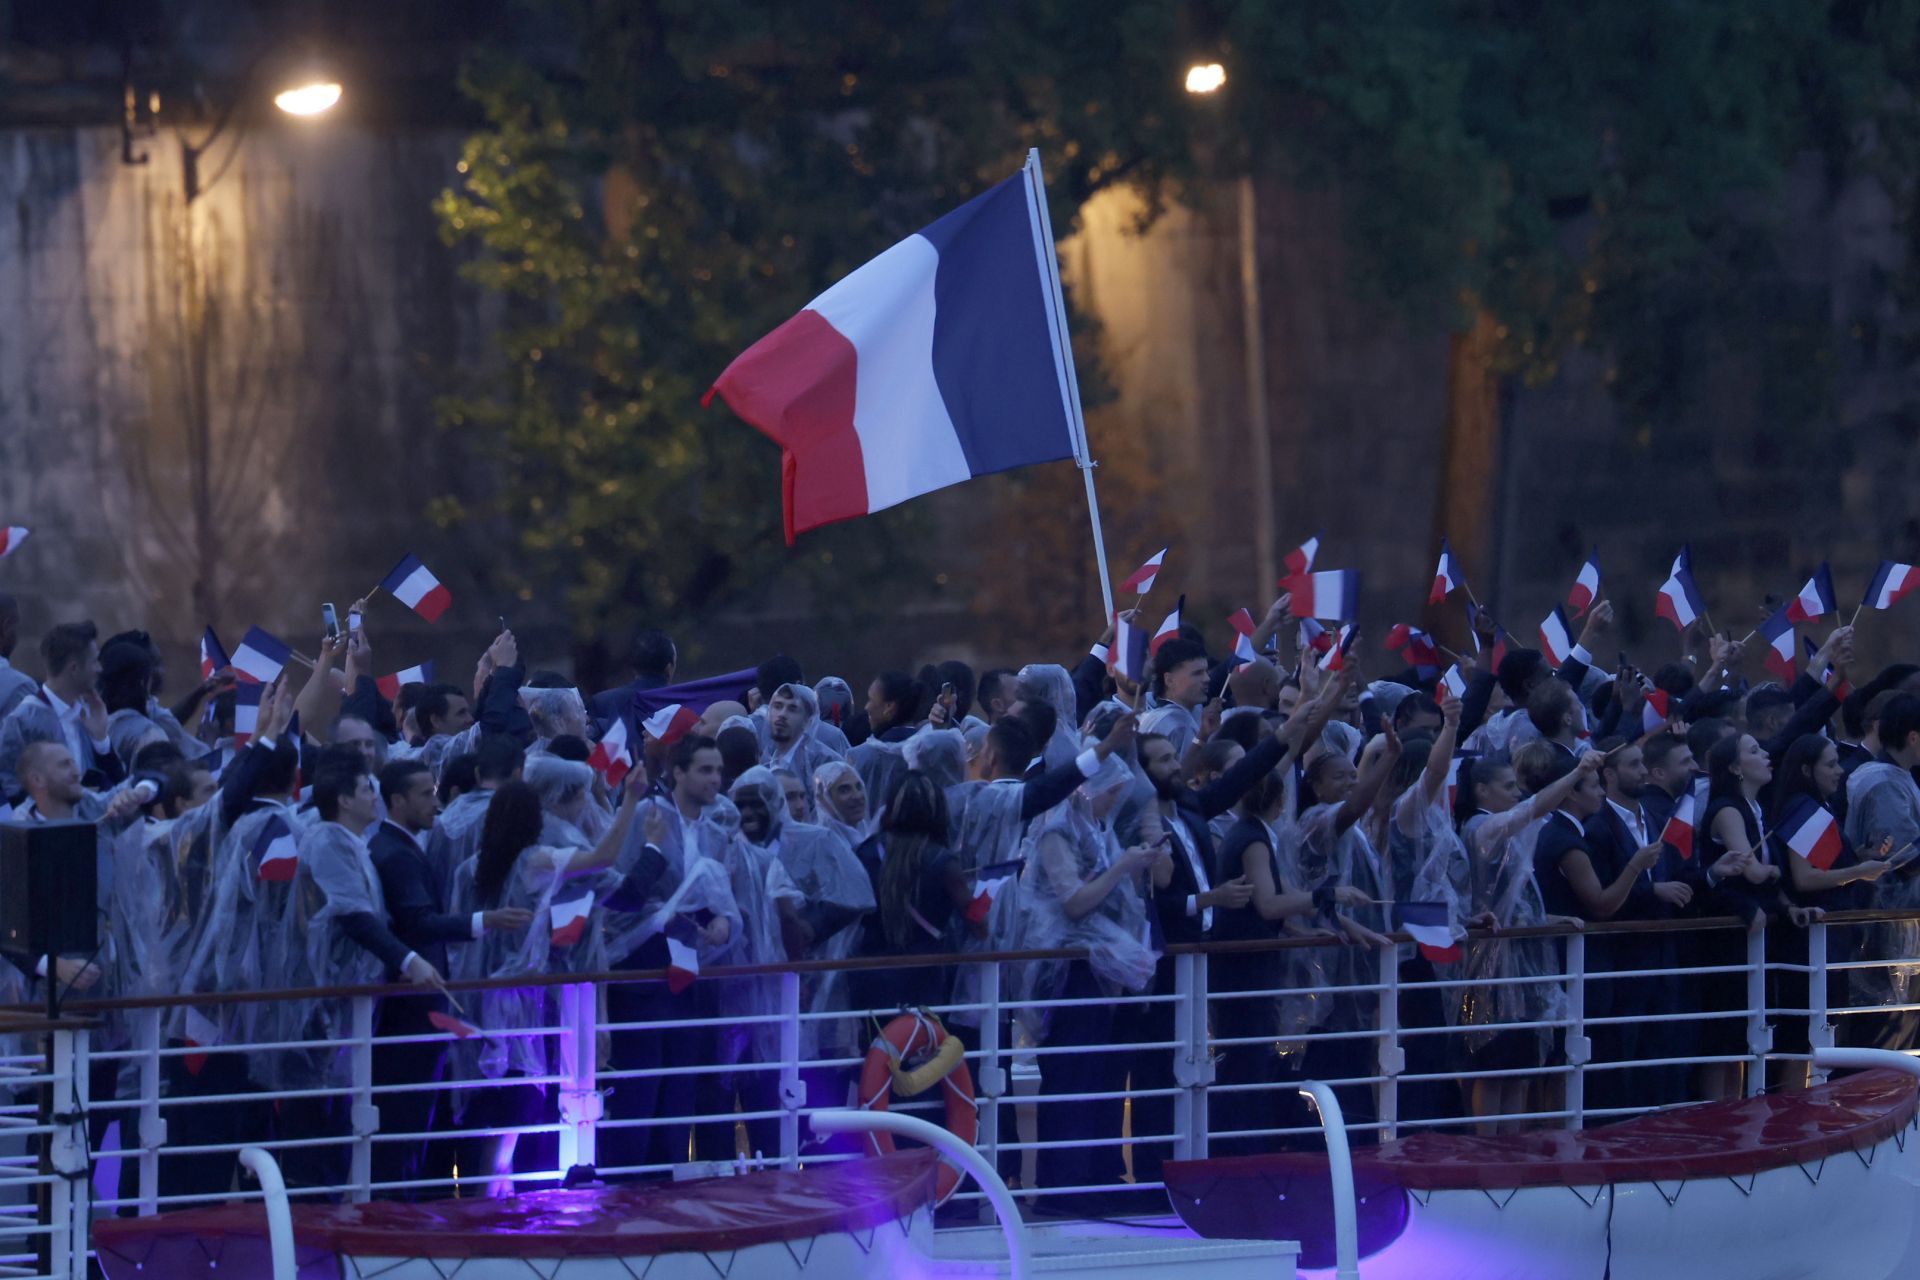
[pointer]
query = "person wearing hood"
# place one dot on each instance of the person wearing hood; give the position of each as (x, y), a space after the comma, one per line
(554, 709)
(1049, 683)
(792, 741)
(840, 800)
(456, 832)
(835, 697)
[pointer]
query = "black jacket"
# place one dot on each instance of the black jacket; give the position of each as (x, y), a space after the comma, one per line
(417, 917)
(1193, 809)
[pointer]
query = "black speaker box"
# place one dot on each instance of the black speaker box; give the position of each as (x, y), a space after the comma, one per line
(49, 879)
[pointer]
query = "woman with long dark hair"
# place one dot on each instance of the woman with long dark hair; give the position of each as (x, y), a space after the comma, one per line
(513, 869)
(919, 890)
(1833, 879)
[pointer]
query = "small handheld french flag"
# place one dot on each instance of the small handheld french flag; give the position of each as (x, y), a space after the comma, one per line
(1679, 829)
(1428, 925)
(1314, 636)
(1414, 645)
(390, 686)
(11, 536)
(683, 964)
(669, 724)
(1169, 627)
(276, 855)
(1810, 831)
(1335, 658)
(1334, 595)
(1891, 581)
(1129, 652)
(1243, 629)
(261, 656)
(458, 1028)
(415, 587)
(1453, 682)
(567, 921)
(611, 759)
(1679, 601)
(1815, 600)
(1141, 580)
(1502, 642)
(1446, 575)
(1777, 630)
(1586, 587)
(1300, 560)
(1555, 640)
(246, 712)
(1462, 763)
(213, 655)
(1656, 708)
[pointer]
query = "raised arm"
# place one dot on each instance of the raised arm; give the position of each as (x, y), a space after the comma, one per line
(1376, 763)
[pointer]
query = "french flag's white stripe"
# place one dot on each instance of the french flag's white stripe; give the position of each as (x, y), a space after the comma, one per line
(683, 965)
(885, 309)
(569, 920)
(1453, 682)
(1554, 639)
(11, 536)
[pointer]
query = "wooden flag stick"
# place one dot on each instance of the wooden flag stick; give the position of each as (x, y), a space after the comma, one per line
(1856, 613)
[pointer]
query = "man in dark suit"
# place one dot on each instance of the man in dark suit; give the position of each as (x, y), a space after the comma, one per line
(418, 917)
(1182, 911)
(653, 659)
(1622, 828)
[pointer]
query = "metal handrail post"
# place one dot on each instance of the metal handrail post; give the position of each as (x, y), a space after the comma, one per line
(793, 1093)
(68, 1201)
(1759, 1034)
(1391, 1055)
(1579, 1047)
(366, 1115)
(992, 1081)
(152, 1127)
(1192, 1061)
(581, 1105)
(1819, 1017)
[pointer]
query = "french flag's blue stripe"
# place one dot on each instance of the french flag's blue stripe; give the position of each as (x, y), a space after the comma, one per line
(992, 348)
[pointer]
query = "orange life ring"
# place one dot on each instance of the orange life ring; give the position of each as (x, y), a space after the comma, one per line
(907, 1036)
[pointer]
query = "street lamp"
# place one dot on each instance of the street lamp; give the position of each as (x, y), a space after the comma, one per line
(309, 99)
(1203, 80)
(1205, 77)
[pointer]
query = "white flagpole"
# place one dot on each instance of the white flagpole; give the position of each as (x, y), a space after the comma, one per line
(1063, 358)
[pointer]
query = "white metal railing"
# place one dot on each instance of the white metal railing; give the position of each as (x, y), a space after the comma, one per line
(145, 1129)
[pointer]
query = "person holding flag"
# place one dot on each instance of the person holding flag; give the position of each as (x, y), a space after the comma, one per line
(514, 870)
(1883, 811)
(1824, 870)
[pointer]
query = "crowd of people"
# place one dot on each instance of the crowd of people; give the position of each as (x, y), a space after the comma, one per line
(345, 837)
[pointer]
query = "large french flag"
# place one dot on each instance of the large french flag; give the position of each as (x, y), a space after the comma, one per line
(940, 360)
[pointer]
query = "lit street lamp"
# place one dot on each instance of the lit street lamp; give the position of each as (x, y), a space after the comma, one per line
(1204, 79)
(308, 99)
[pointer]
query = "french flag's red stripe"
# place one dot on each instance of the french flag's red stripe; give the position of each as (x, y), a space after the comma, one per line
(797, 386)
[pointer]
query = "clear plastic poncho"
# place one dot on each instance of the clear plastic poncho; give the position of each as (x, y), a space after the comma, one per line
(336, 879)
(825, 871)
(941, 754)
(694, 881)
(806, 752)
(825, 779)
(1065, 848)
(1323, 855)
(240, 940)
(1883, 803)
(129, 730)
(538, 879)
(1500, 849)
(1054, 684)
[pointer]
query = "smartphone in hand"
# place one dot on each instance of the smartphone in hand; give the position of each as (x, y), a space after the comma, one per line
(331, 619)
